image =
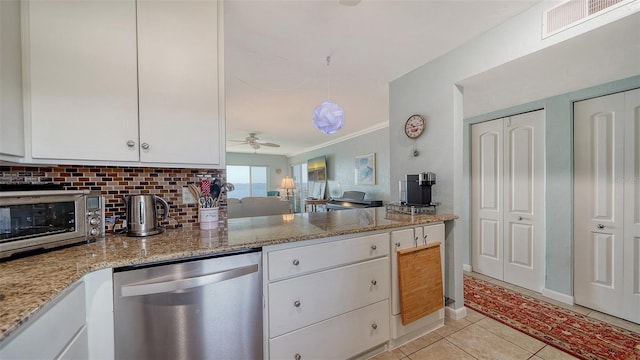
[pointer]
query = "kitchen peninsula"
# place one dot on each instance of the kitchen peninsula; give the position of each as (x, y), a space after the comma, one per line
(29, 284)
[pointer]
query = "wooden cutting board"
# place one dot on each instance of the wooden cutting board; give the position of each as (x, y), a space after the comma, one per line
(420, 279)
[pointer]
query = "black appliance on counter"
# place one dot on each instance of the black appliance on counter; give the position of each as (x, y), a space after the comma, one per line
(419, 189)
(352, 200)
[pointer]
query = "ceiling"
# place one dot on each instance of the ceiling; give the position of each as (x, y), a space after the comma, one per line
(276, 69)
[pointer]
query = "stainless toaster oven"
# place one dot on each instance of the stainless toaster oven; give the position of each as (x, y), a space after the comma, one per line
(43, 219)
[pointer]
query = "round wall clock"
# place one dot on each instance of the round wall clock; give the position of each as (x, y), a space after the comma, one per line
(414, 126)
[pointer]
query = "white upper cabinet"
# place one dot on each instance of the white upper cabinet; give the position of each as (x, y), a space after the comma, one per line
(125, 82)
(178, 80)
(11, 120)
(83, 80)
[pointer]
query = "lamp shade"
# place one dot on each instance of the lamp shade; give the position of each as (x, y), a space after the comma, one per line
(328, 117)
(287, 183)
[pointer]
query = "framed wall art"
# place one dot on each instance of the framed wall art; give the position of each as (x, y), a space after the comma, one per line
(365, 167)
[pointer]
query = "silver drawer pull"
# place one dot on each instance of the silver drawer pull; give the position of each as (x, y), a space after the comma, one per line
(373, 247)
(374, 326)
(600, 226)
(374, 283)
(296, 262)
(298, 357)
(296, 303)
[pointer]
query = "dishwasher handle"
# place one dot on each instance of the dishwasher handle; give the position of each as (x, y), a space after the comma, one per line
(182, 284)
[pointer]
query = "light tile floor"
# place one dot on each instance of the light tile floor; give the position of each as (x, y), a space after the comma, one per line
(479, 337)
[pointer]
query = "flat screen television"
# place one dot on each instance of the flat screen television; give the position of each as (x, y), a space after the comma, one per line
(317, 169)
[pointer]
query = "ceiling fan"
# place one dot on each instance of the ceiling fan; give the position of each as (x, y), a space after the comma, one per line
(255, 142)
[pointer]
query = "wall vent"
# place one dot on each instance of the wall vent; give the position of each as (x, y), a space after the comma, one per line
(574, 12)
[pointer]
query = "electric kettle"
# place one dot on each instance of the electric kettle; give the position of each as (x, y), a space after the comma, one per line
(142, 214)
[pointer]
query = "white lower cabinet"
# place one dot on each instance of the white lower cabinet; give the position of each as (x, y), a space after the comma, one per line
(327, 300)
(53, 333)
(78, 324)
(340, 337)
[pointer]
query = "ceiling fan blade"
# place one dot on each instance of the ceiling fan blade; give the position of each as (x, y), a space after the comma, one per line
(268, 144)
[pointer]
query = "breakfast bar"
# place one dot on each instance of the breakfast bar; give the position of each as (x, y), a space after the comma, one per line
(29, 284)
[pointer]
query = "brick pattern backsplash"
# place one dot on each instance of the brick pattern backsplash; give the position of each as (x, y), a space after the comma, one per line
(116, 182)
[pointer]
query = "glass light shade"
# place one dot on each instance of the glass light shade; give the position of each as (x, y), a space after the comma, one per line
(328, 117)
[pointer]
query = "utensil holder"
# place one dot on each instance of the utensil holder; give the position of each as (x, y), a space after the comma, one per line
(208, 218)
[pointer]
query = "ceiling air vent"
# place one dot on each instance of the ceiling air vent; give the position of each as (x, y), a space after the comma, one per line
(574, 12)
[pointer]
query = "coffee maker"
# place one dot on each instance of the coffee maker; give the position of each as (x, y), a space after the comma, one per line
(419, 189)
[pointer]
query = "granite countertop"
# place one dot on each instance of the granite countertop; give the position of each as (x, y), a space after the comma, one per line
(27, 284)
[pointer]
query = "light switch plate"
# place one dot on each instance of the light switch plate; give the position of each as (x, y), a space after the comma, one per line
(187, 196)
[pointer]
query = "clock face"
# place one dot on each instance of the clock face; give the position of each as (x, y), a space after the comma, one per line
(414, 126)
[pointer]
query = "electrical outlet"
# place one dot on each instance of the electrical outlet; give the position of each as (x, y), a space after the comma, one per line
(187, 196)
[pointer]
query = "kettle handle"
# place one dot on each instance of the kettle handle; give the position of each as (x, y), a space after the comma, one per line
(165, 206)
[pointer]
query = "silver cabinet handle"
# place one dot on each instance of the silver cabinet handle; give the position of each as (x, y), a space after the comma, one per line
(145, 146)
(298, 357)
(374, 283)
(131, 143)
(374, 326)
(520, 218)
(296, 262)
(297, 303)
(151, 288)
(373, 247)
(600, 226)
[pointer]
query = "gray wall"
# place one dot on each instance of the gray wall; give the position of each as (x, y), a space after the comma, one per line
(273, 162)
(341, 162)
(507, 66)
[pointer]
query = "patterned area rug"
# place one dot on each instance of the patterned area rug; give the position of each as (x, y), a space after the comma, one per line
(574, 333)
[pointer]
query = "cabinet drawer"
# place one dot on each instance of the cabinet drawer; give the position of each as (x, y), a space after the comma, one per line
(306, 259)
(46, 336)
(304, 300)
(338, 338)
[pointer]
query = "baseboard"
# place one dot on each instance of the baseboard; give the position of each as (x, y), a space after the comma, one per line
(563, 298)
(455, 314)
(467, 268)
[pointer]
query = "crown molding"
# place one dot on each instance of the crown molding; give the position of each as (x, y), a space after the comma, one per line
(373, 128)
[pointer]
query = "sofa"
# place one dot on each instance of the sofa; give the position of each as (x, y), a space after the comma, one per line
(256, 206)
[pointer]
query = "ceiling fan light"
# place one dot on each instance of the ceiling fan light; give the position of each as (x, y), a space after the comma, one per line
(328, 117)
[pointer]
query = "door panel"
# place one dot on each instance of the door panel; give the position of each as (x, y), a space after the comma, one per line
(598, 199)
(524, 200)
(521, 236)
(603, 245)
(486, 199)
(632, 207)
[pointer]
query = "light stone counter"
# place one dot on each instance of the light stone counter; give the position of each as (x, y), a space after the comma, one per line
(29, 283)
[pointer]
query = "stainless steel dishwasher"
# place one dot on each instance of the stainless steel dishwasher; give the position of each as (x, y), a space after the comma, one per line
(200, 309)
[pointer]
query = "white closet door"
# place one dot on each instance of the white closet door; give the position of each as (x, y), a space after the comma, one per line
(507, 199)
(632, 207)
(524, 246)
(598, 203)
(486, 198)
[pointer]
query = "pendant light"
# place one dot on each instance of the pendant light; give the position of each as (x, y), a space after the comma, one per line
(328, 117)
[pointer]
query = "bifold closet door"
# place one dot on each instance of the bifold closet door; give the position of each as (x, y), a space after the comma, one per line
(607, 204)
(507, 179)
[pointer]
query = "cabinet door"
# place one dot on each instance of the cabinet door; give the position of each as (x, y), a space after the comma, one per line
(178, 73)
(11, 120)
(50, 332)
(400, 239)
(82, 79)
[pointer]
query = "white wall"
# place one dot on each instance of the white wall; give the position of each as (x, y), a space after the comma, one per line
(437, 91)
